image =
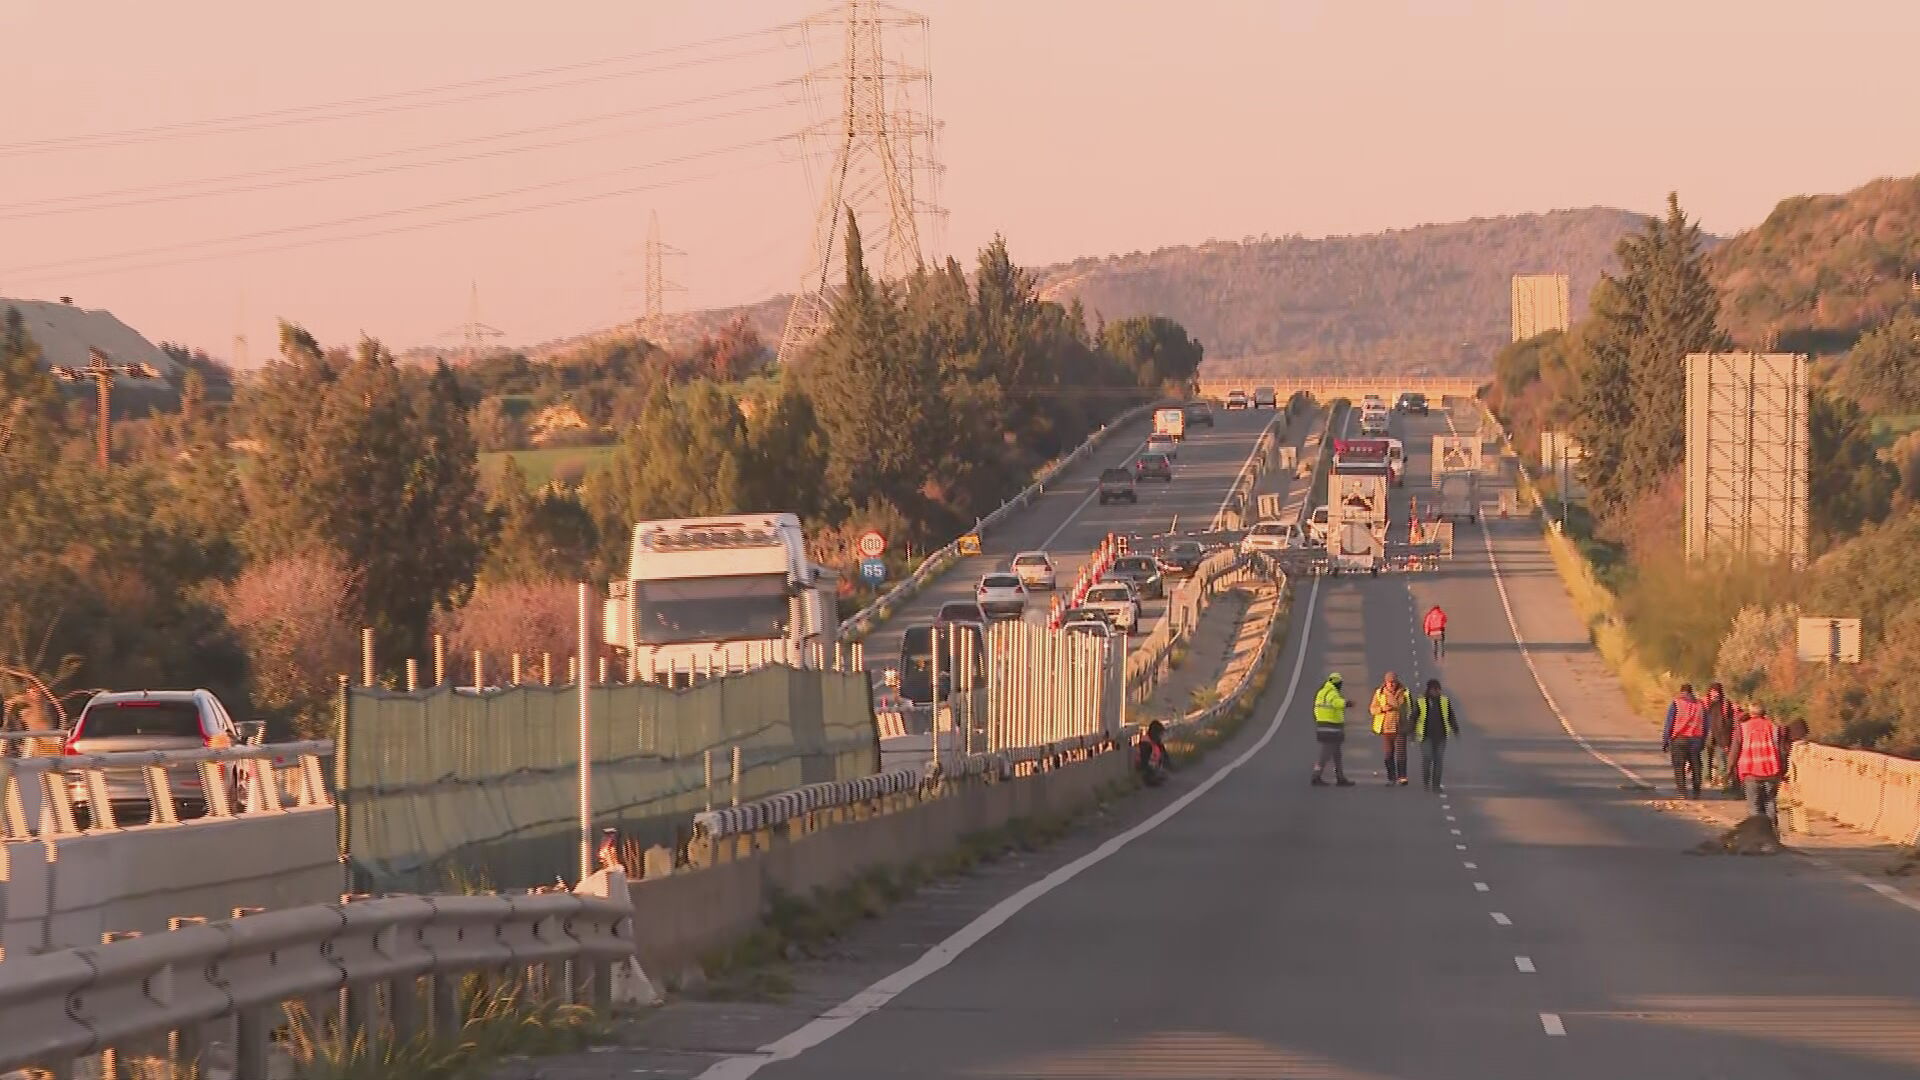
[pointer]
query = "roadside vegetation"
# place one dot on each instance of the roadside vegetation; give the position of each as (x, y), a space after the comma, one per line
(1614, 381)
(244, 533)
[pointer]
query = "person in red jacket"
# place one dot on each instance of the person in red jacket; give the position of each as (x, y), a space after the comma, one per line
(1436, 628)
(1760, 760)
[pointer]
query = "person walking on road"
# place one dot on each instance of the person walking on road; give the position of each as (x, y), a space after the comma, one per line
(1330, 730)
(1719, 738)
(1435, 626)
(1680, 739)
(1391, 708)
(1760, 760)
(1434, 722)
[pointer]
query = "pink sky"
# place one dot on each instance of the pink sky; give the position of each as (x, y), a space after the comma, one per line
(1074, 127)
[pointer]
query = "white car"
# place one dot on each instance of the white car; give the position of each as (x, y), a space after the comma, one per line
(1035, 570)
(1274, 536)
(1163, 444)
(1374, 421)
(1237, 399)
(1002, 595)
(1093, 628)
(1116, 601)
(1317, 526)
(1397, 462)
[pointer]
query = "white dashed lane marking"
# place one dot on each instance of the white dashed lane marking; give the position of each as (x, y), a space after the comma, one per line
(1525, 964)
(1550, 1023)
(1500, 918)
(1481, 886)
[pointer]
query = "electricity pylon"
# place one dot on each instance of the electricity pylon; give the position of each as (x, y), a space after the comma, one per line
(882, 166)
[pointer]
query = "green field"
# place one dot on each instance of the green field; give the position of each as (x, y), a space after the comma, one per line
(541, 465)
(1888, 429)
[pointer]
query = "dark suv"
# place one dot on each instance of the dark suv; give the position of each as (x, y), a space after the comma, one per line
(1154, 467)
(1412, 404)
(1117, 484)
(1199, 414)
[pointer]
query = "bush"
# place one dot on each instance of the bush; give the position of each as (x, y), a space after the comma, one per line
(296, 619)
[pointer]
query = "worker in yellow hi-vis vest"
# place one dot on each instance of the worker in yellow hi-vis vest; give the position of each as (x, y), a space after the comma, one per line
(1330, 731)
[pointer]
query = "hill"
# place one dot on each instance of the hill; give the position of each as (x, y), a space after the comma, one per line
(1822, 268)
(1432, 298)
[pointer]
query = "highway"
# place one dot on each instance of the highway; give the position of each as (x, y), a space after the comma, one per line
(1069, 519)
(1536, 921)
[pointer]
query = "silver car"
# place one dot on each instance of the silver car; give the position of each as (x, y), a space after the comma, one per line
(155, 720)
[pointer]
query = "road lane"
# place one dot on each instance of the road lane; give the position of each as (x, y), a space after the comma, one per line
(1069, 520)
(1552, 927)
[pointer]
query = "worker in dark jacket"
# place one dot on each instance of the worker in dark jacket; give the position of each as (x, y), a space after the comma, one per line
(1719, 746)
(1434, 722)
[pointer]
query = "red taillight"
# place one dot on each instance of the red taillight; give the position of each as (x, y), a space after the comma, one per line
(67, 748)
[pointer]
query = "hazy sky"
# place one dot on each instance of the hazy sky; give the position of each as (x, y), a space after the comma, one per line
(1074, 127)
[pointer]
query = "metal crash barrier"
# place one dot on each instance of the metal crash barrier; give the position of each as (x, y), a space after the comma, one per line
(395, 964)
(40, 796)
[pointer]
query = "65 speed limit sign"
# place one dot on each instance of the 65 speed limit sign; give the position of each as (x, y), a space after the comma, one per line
(871, 544)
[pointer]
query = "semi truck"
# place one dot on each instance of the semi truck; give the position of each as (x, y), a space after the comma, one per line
(720, 593)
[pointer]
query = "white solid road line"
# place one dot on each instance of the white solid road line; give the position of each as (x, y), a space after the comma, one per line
(873, 998)
(1550, 1023)
(1088, 501)
(1500, 918)
(1213, 524)
(1525, 964)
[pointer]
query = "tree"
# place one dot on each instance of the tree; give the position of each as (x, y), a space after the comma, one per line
(524, 617)
(1882, 371)
(496, 427)
(298, 619)
(875, 394)
(786, 455)
(1631, 411)
(1848, 485)
(31, 411)
(378, 464)
(687, 456)
(538, 535)
(1156, 348)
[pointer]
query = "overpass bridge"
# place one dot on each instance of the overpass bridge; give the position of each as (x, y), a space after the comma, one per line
(1354, 387)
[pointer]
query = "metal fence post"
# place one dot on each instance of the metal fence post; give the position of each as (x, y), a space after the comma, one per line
(736, 776)
(343, 779)
(439, 659)
(366, 656)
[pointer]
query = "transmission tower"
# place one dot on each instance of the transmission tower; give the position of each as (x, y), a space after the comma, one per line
(654, 311)
(878, 147)
(240, 337)
(473, 331)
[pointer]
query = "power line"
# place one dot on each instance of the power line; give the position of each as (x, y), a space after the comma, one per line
(261, 183)
(395, 230)
(357, 219)
(382, 104)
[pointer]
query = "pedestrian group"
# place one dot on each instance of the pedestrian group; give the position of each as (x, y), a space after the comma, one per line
(1715, 743)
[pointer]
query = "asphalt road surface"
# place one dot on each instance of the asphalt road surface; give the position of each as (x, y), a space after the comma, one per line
(1537, 921)
(1069, 520)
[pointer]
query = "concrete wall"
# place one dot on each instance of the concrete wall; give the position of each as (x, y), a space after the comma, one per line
(680, 918)
(66, 892)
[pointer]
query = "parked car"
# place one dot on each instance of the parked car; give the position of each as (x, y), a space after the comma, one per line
(961, 611)
(1199, 414)
(1117, 484)
(1274, 536)
(1237, 399)
(1154, 467)
(156, 720)
(1412, 404)
(1002, 596)
(1115, 599)
(1142, 572)
(1035, 570)
(1182, 557)
(1163, 444)
(1265, 397)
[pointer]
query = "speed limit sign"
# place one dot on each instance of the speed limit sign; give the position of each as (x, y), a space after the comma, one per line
(871, 544)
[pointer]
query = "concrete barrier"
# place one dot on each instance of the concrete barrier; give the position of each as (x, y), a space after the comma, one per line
(683, 917)
(65, 891)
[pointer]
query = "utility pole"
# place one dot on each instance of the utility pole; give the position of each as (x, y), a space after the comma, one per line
(883, 165)
(103, 371)
(654, 309)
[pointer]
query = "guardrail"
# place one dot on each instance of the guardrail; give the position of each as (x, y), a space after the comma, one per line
(39, 795)
(1149, 662)
(1233, 511)
(862, 622)
(739, 831)
(396, 962)
(1247, 678)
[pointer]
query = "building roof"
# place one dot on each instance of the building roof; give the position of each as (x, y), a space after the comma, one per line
(65, 333)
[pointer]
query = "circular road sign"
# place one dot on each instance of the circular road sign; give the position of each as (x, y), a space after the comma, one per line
(871, 544)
